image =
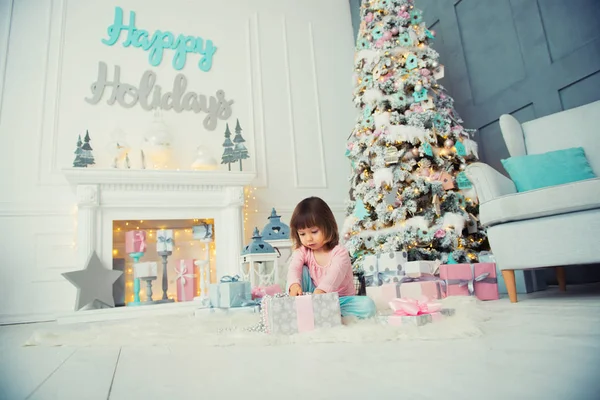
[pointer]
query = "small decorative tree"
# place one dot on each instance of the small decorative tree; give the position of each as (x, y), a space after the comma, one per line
(228, 156)
(87, 155)
(239, 152)
(79, 161)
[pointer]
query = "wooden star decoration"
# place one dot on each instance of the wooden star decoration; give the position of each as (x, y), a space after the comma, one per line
(94, 283)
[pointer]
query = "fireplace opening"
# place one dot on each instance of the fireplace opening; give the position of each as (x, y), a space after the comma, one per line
(142, 248)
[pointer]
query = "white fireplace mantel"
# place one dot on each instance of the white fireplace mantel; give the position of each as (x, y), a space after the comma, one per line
(106, 195)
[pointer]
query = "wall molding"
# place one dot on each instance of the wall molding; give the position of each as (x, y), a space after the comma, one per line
(260, 146)
(13, 210)
(48, 170)
(288, 81)
(4, 47)
(313, 57)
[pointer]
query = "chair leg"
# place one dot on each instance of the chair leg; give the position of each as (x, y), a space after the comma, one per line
(561, 278)
(511, 284)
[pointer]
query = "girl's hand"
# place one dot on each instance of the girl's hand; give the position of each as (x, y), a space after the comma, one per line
(295, 290)
(318, 291)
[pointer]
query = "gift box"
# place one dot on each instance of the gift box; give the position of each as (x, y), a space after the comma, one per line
(382, 295)
(202, 232)
(145, 270)
(416, 269)
(135, 242)
(259, 292)
(231, 294)
(470, 279)
(288, 315)
(406, 288)
(433, 289)
(415, 312)
(384, 268)
(186, 280)
(527, 281)
(164, 240)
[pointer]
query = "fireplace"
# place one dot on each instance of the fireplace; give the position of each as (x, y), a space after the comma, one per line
(108, 195)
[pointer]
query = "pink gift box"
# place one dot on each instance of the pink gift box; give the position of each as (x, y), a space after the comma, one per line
(382, 295)
(471, 279)
(135, 242)
(432, 289)
(186, 280)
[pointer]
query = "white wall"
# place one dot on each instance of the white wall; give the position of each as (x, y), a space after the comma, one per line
(287, 64)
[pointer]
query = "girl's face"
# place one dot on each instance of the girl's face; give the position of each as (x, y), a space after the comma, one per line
(312, 238)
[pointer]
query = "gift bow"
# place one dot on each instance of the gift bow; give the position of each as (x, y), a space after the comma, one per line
(379, 278)
(181, 273)
(229, 278)
(412, 307)
(258, 292)
(164, 239)
(470, 283)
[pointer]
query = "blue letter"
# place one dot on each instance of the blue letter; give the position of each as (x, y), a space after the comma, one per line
(205, 62)
(184, 45)
(158, 44)
(114, 30)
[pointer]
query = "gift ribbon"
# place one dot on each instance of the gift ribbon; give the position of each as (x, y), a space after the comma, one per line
(229, 279)
(470, 283)
(412, 307)
(305, 315)
(165, 240)
(207, 231)
(181, 275)
(139, 236)
(379, 278)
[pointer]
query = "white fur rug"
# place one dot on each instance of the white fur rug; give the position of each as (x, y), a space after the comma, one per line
(208, 330)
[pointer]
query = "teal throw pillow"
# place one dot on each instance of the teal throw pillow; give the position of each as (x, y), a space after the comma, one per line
(537, 171)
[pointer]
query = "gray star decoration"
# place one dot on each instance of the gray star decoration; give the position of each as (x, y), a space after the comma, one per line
(94, 283)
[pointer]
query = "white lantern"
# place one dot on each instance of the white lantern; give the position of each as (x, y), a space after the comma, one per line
(259, 262)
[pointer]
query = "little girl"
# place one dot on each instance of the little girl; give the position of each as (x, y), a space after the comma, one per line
(320, 264)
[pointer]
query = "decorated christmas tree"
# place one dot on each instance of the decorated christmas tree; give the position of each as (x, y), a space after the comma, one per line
(79, 162)
(408, 149)
(228, 156)
(239, 152)
(87, 155)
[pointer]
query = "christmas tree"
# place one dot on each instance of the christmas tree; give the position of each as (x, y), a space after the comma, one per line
(87, 155)
(239, 152)
(228, 156)
(79, 162)
(408, 149)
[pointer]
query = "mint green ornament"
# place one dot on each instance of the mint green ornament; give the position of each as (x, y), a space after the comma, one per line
(426, 148)
(460, 149)
(462, 181)
(360, 211)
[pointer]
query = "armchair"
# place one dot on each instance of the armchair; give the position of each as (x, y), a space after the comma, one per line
(554, 226)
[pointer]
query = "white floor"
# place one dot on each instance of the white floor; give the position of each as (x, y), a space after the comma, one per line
(545, 347)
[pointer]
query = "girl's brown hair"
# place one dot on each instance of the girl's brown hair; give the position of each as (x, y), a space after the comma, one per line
(312, 212)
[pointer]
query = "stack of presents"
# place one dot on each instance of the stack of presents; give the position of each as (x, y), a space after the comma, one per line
(405, 291)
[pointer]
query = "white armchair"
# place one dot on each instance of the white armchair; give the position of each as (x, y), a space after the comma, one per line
(554, 226)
